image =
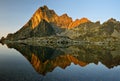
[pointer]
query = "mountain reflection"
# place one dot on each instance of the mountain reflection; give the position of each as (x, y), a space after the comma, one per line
(46, 59)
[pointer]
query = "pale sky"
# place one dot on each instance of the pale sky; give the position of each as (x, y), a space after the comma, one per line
(15, 13)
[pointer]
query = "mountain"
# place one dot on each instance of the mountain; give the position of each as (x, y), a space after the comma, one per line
(45, 22)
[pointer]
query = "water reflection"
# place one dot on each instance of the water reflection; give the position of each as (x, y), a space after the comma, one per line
(15, 67)
(46, 59)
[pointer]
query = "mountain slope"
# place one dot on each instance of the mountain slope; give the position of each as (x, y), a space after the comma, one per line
(43, 29)
(95, 31)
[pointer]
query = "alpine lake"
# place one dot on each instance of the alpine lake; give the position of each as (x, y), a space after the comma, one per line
(21, 62)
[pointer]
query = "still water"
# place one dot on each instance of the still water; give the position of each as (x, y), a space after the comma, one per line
(19, 62)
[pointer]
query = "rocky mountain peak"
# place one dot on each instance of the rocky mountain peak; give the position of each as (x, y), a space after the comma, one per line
(84, 20)
(63, 21)
(64, 15)
(112, 20)
(42, 13)
(44, 8)
(50, 16)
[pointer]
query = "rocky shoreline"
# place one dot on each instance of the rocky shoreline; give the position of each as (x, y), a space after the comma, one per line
(56, 41)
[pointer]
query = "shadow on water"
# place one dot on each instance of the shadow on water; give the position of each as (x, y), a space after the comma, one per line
(46, 59)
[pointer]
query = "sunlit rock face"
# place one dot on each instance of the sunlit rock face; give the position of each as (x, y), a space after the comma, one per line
(64, 21)
(78, 22)
(43, 13)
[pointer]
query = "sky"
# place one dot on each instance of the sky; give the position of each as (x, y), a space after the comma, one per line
(15, 13)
